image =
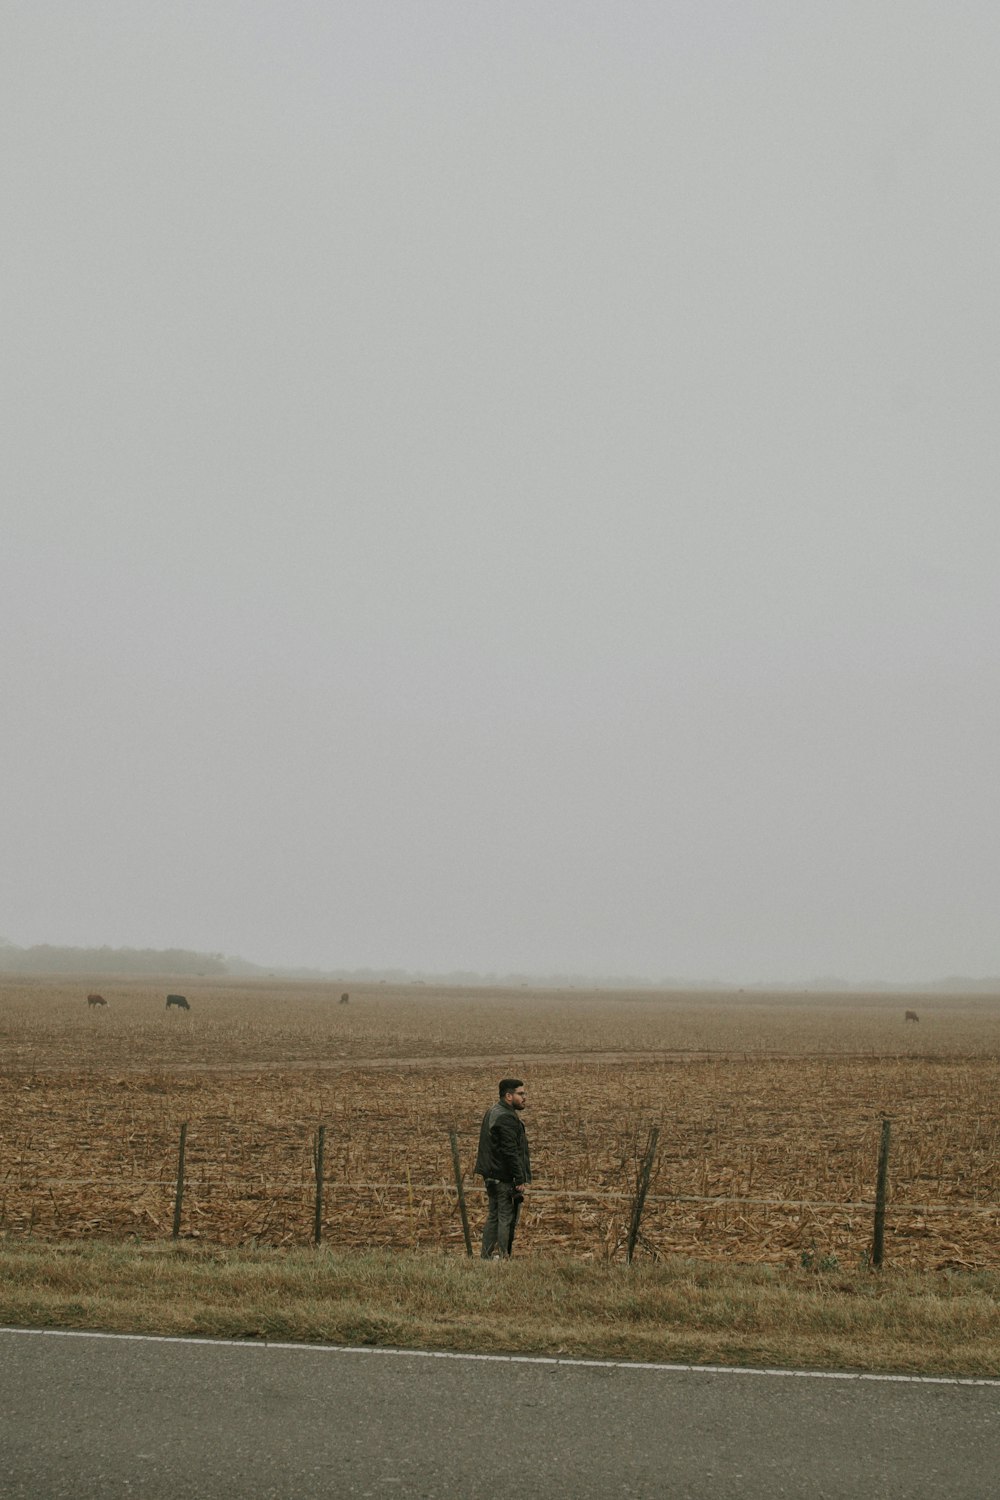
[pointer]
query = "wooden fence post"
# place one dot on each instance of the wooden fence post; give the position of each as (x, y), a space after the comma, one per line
(878, 1239)
(640, 1195)
(179, 1195)
(318, 1165)
(457, 1168)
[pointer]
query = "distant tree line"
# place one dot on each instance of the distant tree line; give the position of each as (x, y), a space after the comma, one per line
(46, 958)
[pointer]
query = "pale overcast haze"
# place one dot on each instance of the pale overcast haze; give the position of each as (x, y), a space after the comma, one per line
(507, 487)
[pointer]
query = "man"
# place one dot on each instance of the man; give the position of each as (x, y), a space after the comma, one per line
(504, 1163)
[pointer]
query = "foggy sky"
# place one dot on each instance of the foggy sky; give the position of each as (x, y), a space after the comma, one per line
(509, 487)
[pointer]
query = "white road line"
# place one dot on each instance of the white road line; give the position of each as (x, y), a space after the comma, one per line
(504, 1359)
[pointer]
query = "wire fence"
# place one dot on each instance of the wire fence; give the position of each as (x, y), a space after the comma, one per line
(195, 1195)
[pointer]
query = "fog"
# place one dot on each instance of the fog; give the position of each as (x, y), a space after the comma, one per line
(503, 487)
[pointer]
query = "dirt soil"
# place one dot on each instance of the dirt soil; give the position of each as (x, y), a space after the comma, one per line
(769, 1112)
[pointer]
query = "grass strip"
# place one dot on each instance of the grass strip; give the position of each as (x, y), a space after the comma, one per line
(907, 1322)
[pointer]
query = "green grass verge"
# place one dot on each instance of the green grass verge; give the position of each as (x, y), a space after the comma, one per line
(941, 1323)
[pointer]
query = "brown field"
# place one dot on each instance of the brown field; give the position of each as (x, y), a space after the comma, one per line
(769, 1110)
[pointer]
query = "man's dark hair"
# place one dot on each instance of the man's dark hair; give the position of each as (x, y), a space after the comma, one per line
(508, 1085)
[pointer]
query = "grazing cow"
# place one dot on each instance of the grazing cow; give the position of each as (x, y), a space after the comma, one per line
(345, 997)
(911, 1015)
(96, 1000)
(179, 1001)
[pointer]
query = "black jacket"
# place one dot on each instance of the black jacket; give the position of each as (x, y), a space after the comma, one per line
(503, 1145)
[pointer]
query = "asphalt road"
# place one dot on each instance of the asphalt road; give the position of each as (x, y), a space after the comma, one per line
(88, 1417)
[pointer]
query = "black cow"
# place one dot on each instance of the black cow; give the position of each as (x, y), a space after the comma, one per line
(179, 1001)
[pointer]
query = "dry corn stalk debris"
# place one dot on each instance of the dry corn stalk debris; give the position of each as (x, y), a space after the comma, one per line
(765, 1154)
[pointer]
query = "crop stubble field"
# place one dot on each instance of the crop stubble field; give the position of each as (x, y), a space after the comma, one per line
(774, 1100)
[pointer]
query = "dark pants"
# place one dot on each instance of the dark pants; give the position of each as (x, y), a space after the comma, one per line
(501, 1218)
